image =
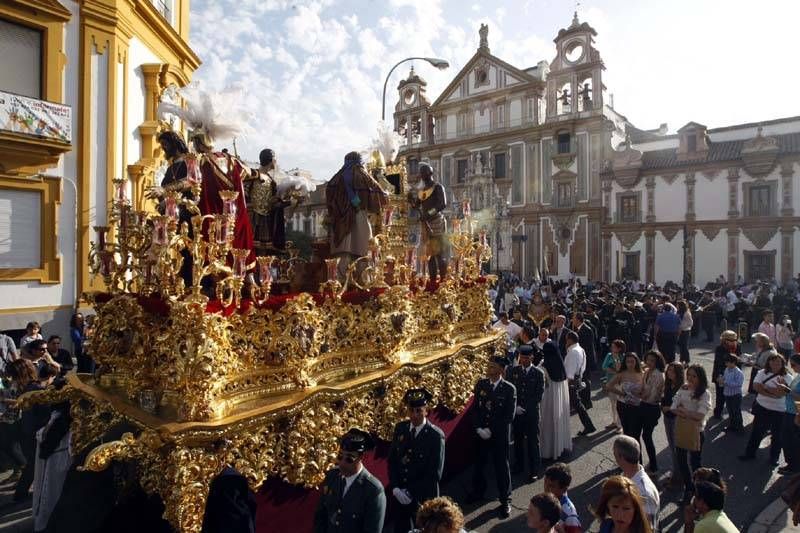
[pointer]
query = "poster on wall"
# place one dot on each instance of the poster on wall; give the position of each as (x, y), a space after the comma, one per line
(21, 114)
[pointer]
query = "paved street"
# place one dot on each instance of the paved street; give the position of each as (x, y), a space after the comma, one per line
(751, 486)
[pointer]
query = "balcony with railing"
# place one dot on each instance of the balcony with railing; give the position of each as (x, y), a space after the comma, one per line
(33, 133)
(628, 217)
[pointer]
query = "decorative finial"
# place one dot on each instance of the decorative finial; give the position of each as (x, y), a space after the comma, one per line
(484, 35)
(411, 73)
(760, 131)
(575, 22)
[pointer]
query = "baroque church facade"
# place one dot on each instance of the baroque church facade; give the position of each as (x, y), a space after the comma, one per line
(566, 186)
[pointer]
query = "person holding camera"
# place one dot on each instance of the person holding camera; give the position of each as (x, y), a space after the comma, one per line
(784, 334)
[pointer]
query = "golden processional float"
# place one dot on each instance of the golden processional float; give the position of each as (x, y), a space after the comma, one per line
(265, 383)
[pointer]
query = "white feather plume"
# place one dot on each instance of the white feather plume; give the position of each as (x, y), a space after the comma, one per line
(387, 141)
(295, 181)
(220, 115)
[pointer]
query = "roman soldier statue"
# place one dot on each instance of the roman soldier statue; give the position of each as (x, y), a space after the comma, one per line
(264, 207)
(430, 200)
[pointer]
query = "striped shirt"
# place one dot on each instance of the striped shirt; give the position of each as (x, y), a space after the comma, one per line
(732, 381)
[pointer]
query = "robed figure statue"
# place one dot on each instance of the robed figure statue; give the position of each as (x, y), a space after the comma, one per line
(350, 196)
(430, 200)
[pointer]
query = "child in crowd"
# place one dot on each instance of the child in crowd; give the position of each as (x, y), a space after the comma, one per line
(731, 381)
(32, 333)
(557, 479)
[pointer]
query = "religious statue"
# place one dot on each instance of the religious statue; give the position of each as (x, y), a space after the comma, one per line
(209, 117)
(176, 178)
(350, 196)
(539, 310)
(586, 97)
(220, 171)
(483, 32)
(265, 208)
(478, 164)
(430, 200)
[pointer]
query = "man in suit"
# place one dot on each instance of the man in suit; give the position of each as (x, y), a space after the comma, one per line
(529, 382)
(559, 334)
(492, 413)
(352, 499)
(416, 459)
(587, 340)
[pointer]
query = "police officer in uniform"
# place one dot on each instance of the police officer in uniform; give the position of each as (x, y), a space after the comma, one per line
(352, 499)
(529, 382)
(416, 460)
(493, 411)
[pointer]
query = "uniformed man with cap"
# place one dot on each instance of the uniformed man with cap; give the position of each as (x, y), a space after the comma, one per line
(352, 499)
(493, 409)
(529, 382)
(416, 459)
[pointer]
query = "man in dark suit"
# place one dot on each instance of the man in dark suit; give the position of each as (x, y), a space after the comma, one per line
(492, 413)
(529, 382)
(416, 459)
(587, 339)
(352, 499)
(559, 334)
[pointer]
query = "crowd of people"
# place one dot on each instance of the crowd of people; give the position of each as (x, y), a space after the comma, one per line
(31, 438)
(565, 341)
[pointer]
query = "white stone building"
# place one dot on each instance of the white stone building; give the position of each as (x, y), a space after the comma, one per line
(567, 185)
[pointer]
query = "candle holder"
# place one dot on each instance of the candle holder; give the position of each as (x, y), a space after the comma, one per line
(229, 202)
(265, 278)
(332, 287)
(235, 282)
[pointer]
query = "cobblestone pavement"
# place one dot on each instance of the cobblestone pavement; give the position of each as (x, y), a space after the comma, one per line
(753, 486)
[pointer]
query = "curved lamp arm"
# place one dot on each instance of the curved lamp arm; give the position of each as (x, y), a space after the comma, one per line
(441, 64)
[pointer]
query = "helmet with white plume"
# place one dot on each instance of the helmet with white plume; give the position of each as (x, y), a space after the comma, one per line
(209, 116)
(387, 142)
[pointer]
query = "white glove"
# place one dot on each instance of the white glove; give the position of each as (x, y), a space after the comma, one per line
(519, 410)
(484, 433)
(402, 496)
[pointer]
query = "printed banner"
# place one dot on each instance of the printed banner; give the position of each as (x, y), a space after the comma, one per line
(22, 114)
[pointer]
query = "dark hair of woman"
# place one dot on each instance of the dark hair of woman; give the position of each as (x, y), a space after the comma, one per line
(73, 321)
(782, 371)
(638, 362)
(619, 343)
(682, 308)
(655, 354)
(680, 377)
(22, 371)
(702, 380)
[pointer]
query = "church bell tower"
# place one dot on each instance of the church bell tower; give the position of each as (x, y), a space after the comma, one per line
(411, 118)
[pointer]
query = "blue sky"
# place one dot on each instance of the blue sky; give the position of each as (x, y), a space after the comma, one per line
(314, 69)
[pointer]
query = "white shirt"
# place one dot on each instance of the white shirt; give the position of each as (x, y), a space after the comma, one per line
(768, 402)
(348, 480)
(687, 322)
(649, 493)
(732, 301)
(512, 329)
(575, 361)
(683, 398)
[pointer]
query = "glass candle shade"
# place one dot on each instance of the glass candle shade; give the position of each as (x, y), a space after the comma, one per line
(332, 268)
(411, 257)
(456, 225)
(465, 207)
(101, 236)
(192, 170)
(171, 205)
(387, 216)
(240, 262)
(120, 191)
(265, 269)
(160, 230)
(229, 202)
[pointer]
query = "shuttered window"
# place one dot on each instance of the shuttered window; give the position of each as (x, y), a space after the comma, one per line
(20, 229)
(20, 59)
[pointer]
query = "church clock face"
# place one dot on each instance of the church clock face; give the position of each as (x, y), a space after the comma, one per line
(409, 97)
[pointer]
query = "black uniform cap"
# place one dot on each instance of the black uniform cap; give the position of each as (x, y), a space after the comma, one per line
(357, 440)
(499, 360)
(417, 397)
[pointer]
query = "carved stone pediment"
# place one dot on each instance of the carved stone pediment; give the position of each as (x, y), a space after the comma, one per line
(628, 238)
(711, 232)
(563, 228)
(564, 161)
(626, 163)
(710, 174)
(669, 233)
(759, 154)
(759, 236)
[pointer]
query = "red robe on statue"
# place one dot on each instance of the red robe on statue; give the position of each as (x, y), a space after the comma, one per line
(223, 172)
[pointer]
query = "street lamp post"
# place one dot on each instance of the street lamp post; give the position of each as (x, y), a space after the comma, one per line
(441, 64)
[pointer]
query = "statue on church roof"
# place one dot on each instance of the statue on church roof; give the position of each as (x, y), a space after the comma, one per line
(484, 34)
(586, 97)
